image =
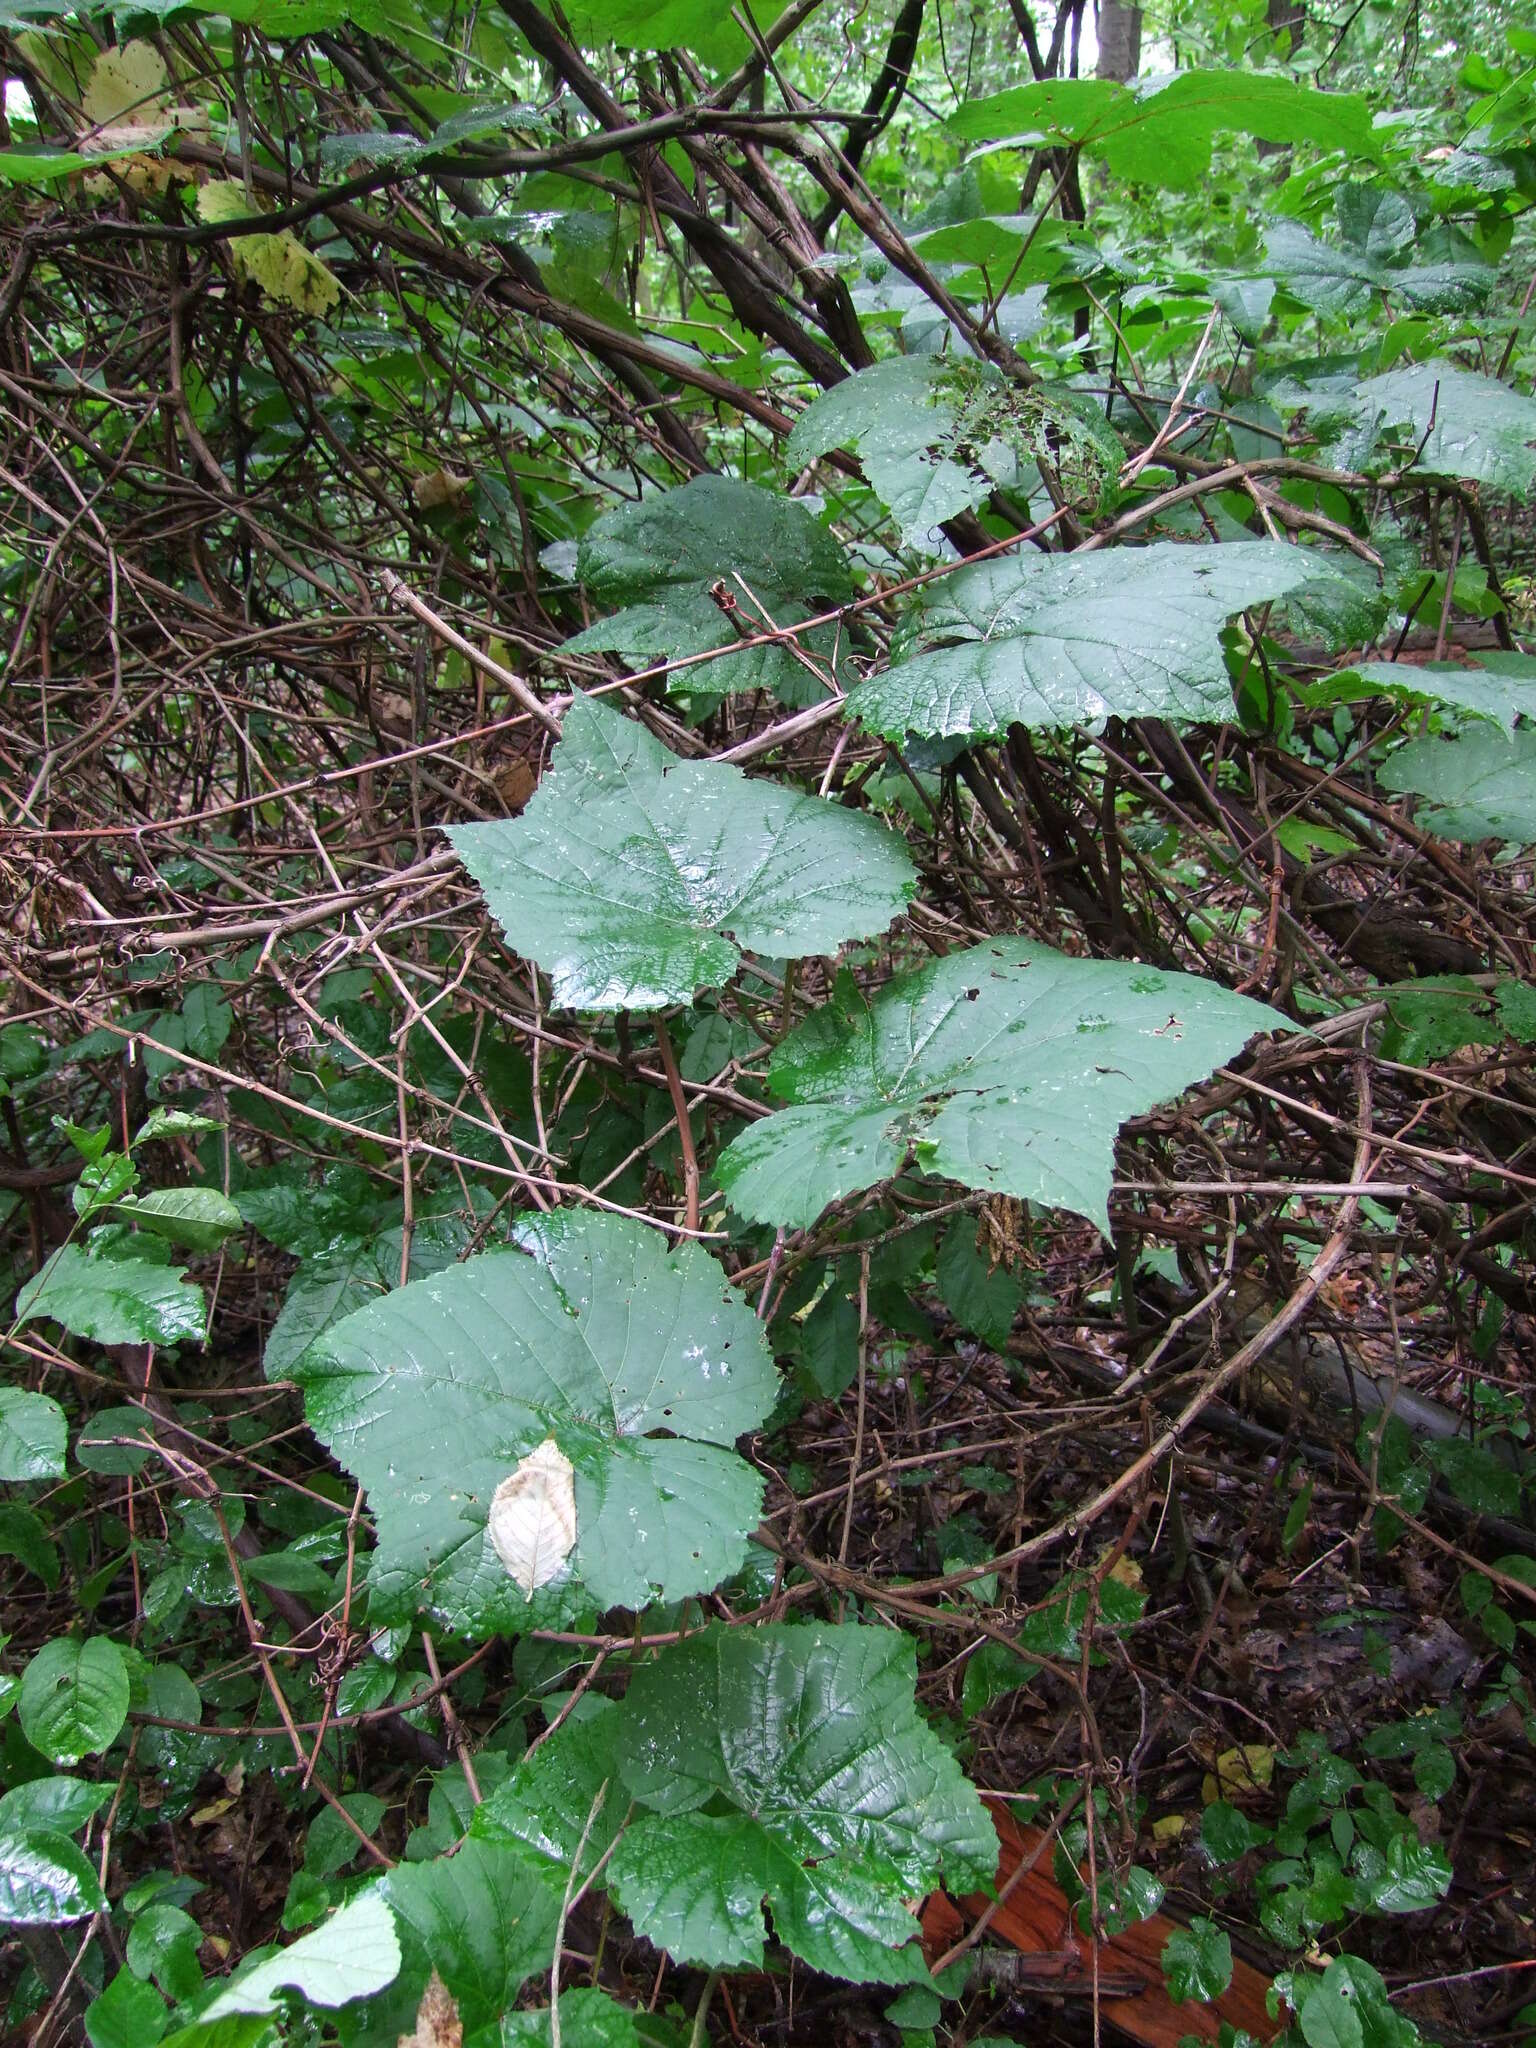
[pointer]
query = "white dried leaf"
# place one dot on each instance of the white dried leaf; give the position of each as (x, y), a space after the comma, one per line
(533, 1517)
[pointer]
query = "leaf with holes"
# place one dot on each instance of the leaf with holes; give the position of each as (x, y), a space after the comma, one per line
(1057, 640)
(1008, 1067)
(641, 1366)
(826, 1794)
(663, 561)
(629, 868)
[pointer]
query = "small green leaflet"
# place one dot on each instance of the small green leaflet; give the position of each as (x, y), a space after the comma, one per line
(1481, 784)
(1059, 640)
(74, 1697)
(661, 559)
(629, 867)
(828, 1795)
(1007, 1066)
(640, 1362)
(33, 1435)
(1439, 420)
(115, 1300)
(355, 1953)
(1498, 686)
(1159, 132)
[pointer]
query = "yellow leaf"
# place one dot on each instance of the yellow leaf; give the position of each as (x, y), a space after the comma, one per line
(1247, 1769)
(280, 265)
(1170, 1828)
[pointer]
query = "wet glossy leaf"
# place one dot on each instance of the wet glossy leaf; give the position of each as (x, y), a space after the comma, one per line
(115, 1300)
(1007, 1067)
(1056, 640)
(354, 1954)
(45, 1881)
(629, 868)
(640, 1363)
(74, 1697)
(32, 1435)
(1197, 1962)
(1481, 784)
(828, 1797)
(1445, 421)
(486, 1919)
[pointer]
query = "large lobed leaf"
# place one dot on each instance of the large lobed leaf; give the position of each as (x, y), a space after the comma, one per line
(1007, 1066)
(1057, 640)
(630, 866)
(642, 1365)
(661, 559)
(1159, 131)
(826, 1794)
(780, 1763)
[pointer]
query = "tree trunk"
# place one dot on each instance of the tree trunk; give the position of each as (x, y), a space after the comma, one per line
(1119, 40)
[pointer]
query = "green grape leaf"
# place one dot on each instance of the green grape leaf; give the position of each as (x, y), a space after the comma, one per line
(1057, 640)
(115, 1300)
(829, 1796)
(640, 1363)
(1159, 131)
(934, 435)
(1439, 420)
(1007, 1066)
(45, 1881)
(701, 26)
(630, 866)
(486, 1919)
(661, 559)
(1197, 1962)
(33, 1435)
(352, 1955)
(1481, 784)
(74, 1697)
(1497, 686)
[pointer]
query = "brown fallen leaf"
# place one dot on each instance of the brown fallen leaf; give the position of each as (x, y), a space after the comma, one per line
(437, 2019)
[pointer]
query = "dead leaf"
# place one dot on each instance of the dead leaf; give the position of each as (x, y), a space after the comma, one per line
(437, 2019)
